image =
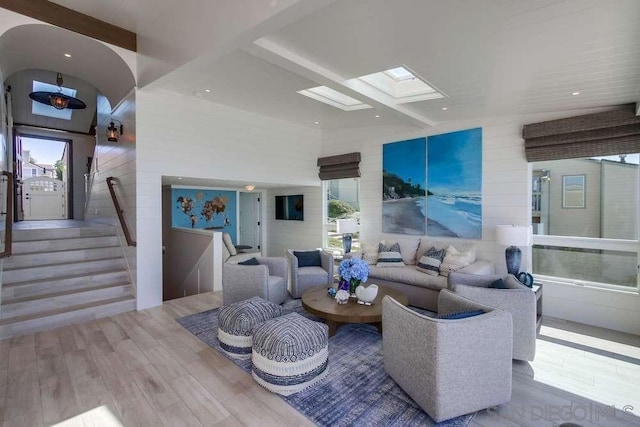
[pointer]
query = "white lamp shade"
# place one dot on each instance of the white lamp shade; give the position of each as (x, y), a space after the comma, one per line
(346, 226)
(514, 235)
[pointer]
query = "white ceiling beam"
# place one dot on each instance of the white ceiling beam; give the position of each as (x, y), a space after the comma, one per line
(279, 55)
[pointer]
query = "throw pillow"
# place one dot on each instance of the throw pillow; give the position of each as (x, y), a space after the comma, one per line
(430, 262)
(461, 314)
(308, 258)
(226, 238)
(390, 259)
(498, 284)
(370, 253)
(250, 261)
(384, 248)
(455, 260)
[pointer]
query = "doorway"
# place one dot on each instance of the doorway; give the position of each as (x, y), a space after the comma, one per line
(43, 189)
(250, 220)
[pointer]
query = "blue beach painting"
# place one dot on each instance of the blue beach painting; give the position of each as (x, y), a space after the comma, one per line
(454, 182)
(403, 186)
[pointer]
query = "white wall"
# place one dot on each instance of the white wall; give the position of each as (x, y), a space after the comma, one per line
(506, 200)
(118, 160)
(188, 137)
(285, 234)
(506, 196)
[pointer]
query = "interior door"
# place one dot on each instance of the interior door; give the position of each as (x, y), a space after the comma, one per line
(43, 198)
(250, 211)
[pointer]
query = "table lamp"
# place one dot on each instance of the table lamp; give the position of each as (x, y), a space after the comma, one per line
(346, 227)
(514, 236)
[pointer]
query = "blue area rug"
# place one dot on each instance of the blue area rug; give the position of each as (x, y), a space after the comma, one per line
(356, 392)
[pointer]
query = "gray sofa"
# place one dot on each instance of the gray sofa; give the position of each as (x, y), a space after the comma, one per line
(421, 289)
(449, 367)
(518, 300)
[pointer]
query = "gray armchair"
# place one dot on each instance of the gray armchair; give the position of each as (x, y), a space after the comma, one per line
(267, 280)
(518, 300)
(303, 278)
(448, 367)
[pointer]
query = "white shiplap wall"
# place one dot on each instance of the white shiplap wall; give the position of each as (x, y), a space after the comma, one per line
(283, 234)
(116, 159)
(189, 137)
(505, 175)
(506, 200)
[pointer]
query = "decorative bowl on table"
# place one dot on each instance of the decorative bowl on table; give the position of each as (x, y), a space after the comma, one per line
(367, 295)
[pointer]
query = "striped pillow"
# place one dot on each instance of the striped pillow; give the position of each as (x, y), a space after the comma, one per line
(430, 262)
(390, 259)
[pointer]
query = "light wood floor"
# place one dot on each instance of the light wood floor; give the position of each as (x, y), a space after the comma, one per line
(142, 368)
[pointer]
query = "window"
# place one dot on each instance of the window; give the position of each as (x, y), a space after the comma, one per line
(342, 203)
(573, 191)
(586, 221)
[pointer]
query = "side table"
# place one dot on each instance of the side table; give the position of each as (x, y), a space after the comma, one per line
(537, 289)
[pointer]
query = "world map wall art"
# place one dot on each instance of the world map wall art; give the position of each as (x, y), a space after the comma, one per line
(204, 209)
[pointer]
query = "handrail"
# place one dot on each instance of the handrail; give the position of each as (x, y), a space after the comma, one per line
(8, 224)
(119, 211)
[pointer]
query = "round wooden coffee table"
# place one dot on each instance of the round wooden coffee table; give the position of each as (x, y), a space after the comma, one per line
(316, 301)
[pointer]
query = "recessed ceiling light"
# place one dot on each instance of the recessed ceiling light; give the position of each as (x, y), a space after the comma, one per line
(317, 123)
(179, 177)
(575, 93)
(68, 55)
(445, 108)
(208, 90)
(377, 116)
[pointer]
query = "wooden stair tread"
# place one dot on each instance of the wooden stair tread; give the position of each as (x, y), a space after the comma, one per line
(7, 302)
(65, 310)
(80, 261)
(69, 276)
(55, 251)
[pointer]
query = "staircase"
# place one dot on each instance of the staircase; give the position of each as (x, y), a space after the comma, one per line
(61, 276)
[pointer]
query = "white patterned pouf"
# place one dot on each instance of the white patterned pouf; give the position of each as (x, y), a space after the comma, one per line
(236, 323)
(290, 353)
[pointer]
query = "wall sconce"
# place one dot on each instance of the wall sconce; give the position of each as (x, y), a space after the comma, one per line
(249, 187)
(112, 130)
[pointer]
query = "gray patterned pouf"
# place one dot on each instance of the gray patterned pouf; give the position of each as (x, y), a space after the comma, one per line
(236, 323)
(290, 353)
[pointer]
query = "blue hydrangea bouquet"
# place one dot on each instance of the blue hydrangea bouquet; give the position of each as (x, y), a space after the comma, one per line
(353, 272)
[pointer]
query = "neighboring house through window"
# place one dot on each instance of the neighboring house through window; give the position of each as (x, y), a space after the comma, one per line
(585, 218)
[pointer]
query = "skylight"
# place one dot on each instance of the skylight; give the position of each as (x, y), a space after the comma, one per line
(48, 110)
(399, 74)
(334, 98)
(403, 85)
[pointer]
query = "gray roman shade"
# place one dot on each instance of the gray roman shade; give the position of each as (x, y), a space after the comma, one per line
(599, 134)
(338, 167)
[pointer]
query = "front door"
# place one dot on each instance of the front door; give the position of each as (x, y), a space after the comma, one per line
(43, 198)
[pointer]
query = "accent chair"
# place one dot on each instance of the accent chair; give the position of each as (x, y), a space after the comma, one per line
(267, 280)
(449, 367)
(516, 298)
(309, 269)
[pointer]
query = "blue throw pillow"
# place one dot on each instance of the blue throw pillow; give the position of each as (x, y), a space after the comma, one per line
(308, 259)
(250, 261)
(461, 314)
(498, 284)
